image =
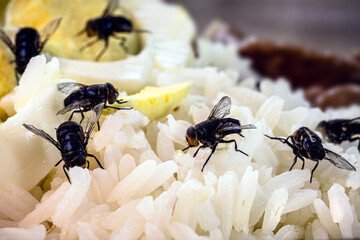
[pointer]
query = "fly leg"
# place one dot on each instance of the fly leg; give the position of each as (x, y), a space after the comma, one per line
(58, 163)
(295, 160)
(312, 171)
(81, 32)
(77, 111)
(354, 139)
(202, 146)
(122, 43)
(101, 53)
(124, 108)
(186, 148)
(235, 146)
(117, 108)
(121, 101)
(89, 44)
(303, 160)
(283, 140)
(88, 164)
(212, 151)
(67, 176)
(97, 160)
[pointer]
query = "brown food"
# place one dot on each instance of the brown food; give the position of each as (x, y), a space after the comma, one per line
(303, 68)
(328, 80)
(338, 96)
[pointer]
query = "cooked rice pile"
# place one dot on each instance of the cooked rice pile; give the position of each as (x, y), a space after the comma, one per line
(150, 189)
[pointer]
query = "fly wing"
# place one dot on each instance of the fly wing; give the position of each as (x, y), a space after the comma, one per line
(234, 127)
(48, 31)
(7, 40)
(75, 105)
(221, 109)
(91, 121)
(69, 87)
(43, 134)
(111, 7)
(338, 161)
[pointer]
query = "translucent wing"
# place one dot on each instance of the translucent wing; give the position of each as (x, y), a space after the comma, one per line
(221, 109)
(338, 161)
(7, 40)
(48, 31)
(69, 87)
(234, 127)
(111, 7)
(91, 121)
(43, 134)
(75, 105)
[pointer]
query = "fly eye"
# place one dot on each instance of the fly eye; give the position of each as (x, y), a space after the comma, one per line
(191, 133)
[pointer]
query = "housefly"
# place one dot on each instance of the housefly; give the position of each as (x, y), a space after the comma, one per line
(83, 98)
(72, 140)
(212, 131)
(307, 144)
(107, 26)
(28, 43)
(340, 130)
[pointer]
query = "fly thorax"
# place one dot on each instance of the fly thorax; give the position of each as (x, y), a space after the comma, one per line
(315, 150)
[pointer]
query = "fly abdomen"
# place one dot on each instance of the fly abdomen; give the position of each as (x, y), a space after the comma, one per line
(122, 25)
(73, 149)
(354, 128)
(234, 122)
(27, 43)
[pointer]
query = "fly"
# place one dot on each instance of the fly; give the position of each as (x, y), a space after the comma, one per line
(307, 144)
(83, 98)
(108, 26)
(72, 140)
(28, 43)
(340, 130)
(212, 131)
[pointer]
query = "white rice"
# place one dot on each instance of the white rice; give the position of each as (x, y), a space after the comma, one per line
(150, 189)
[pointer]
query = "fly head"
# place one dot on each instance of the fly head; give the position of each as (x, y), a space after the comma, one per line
(112, 93)
(191, 137)
(91, 28)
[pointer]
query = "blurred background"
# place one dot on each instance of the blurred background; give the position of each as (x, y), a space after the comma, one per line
(314, 44)
(328, 25)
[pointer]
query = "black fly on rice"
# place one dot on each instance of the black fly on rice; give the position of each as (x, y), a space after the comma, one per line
(213, 131)
(307, 144)
(72, 140)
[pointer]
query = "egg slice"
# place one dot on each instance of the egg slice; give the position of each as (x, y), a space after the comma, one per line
(156, 102)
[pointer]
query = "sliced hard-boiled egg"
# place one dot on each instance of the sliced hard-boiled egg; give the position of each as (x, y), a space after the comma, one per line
(7, 72)
(156, 102)
(75, 13)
